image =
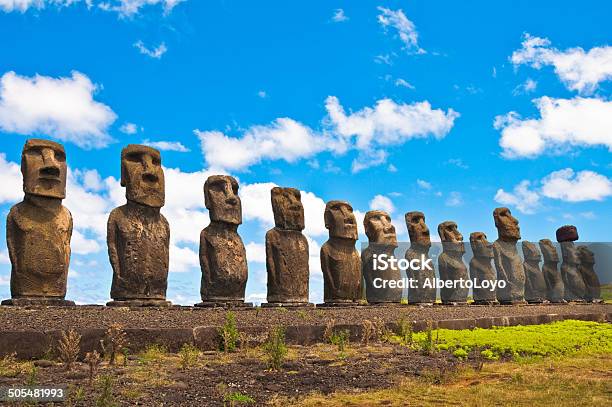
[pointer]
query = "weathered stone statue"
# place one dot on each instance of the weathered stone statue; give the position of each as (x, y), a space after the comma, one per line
(340, 260)
(39, 228)
(451, 265)
(535, 285)
(551, 273)
(222, 253)
(420, 243)
(287, 251)
(575, 290)
(481, 269)
(587, 270)
(138, 235)
(507, 260)
(382, 241)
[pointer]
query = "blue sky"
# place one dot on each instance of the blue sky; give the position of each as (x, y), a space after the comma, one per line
(451, 108)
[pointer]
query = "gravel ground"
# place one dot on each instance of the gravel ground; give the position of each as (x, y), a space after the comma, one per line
(41, 319)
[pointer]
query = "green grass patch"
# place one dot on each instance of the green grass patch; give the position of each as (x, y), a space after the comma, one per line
(519, 342)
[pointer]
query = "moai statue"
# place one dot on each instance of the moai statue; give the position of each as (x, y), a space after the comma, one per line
(551, 273)
(587, 270)
(382, 241)
(575, 290)
(340, 260)
(38, 229)
(138, 235)
(506, 258)
(420, 243)
(222, 253)
(535, 285)
(287, 251)
(451, 265)
(481, 269)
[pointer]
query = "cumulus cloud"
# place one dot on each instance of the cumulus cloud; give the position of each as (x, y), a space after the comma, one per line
(567, 185)
(63, 108)
(10, 179)
(256, 252)
(563, 123)
(4, 257)
(339, 16)
(528, 86)
(454, 199)
(155, 53)
(382, 203)
(128, 128)
(406, 30)
(423, 184)
(578, 69)
(167, 145)
(23, 5)
(522, 197)
(124, 8)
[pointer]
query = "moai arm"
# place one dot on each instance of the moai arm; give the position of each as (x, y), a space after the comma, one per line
(68, 238)
(111, 240)
(204, 259)
(325, 268)
(11, 225)
(270, 266)
(499, 264)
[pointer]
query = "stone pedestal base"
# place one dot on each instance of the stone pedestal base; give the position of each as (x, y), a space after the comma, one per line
(224, 304)
(421, 304)
(537, 302)
(485, 302)
(453, 304)
(340, 304)
(27, 301)
(519, 302)
(287, 305)
(138, 303)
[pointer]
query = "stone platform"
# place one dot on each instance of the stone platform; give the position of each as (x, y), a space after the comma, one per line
(33, 331)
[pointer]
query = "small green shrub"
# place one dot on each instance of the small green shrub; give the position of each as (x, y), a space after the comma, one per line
(105, 388)
(237, 397)
(275, 348)
(188, 356)
(460, 354)
(229, 333)
(340, 339)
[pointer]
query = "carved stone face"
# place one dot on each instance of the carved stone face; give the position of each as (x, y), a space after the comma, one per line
(142, 175)
(340, 220)
(480, 245)
(43, 165)
(507, 225)
(586, 256)
(417, 229)
(531, 252)
(288, 209)
(379, 229)
(452, 239)
(222, 200)
(567, 233)
(549, 251)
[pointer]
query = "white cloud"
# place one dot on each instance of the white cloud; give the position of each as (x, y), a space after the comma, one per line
(82, 245)
(405, 28)
(563, 123)
(23, 5)
(128, 128)
(129, 8)
(522, 197)
(382, 203)
(256, 252)
(156, 53)
(528, 86)
(4, 257)
(578, 69)
(167, 145)
(339, 16)
(262, 94)
(62, 108)
(10, 179)
(454, 199)
(183, 259)
(576, 187)
(403, 83)
(423, 184)
(383, 59)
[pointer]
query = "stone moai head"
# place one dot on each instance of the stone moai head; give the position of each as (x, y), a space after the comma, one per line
(567, 233)
(452, 239)
(288, 209)
(379, 229)
(531, 252)
(549, 251)
(507, 225)
(340, 220)
(480, 245)
(222, 200)
(43, 165)
(417, 229)
(142, 175)
(586, 256)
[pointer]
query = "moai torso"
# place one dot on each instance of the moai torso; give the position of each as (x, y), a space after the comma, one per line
(287, 249)
(139, 239)
(535, 285)
(340, 260)
(420, 243)
(138, 235)
(451, 265)
(382, 240)
(481, 268)
(587, 270)
(38, 229)
(575, 290)
(550, 271)
(508, 263)
(222, 252)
